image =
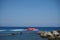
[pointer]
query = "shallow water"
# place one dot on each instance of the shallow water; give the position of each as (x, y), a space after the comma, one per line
(26, 35)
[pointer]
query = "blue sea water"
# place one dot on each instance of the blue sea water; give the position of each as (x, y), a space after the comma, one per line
(26, 35)
(40, 28)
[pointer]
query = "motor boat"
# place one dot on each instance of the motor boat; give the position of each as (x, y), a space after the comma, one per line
(31, 29)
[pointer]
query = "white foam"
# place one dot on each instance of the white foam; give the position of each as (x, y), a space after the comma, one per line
(17, 30)
(2, 30)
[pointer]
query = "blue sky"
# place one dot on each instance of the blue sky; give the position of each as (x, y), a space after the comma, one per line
(43, 13)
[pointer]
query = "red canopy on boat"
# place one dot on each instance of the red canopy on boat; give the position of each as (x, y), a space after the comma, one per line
(30, 29)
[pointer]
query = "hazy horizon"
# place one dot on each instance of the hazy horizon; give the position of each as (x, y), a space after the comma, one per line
(42, 13)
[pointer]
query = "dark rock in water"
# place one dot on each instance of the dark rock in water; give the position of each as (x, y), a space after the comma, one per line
(58, 31)
(53, 39)
(21, 33)
(13, 34)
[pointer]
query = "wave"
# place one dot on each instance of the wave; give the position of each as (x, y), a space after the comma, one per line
(3, 30)
(22, 30)
(17, 30)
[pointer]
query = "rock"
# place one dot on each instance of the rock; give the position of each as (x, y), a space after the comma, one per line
(54, 35)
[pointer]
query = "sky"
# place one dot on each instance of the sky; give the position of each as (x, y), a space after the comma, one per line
(42, 13)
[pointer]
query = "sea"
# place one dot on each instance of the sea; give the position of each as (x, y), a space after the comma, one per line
(22, 34)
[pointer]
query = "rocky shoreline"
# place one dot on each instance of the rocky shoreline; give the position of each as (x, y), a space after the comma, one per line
(52, 35)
